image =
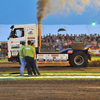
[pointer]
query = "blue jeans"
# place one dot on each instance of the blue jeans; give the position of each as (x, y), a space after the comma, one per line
(22, 66)
(36, 66)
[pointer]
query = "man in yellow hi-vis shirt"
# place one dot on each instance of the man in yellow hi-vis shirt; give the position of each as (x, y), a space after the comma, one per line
(29, 53)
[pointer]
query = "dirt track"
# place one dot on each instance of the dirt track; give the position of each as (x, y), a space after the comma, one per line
(50, 90)
(15, 67)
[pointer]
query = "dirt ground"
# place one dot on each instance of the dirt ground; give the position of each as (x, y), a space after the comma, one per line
(15, 67)
(50, 90)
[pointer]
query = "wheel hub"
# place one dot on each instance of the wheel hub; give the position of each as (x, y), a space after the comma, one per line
(78, 60)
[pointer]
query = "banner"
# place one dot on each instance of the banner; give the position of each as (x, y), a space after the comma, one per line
(95, 51)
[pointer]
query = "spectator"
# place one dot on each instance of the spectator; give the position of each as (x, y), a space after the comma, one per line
(82, 39)
(63, 45)
(2, 46)
(53, 40)
(94, 42)
(98, 41)
(71, 37)
(95, 36)
(60, 47)
(50, 36)
(57, 40)
(56, 47)
(5, 50)
(98, 46)
(66, 44)
(70, 43)
(88, 43)
(22, 59)
(29, 53)
(43, 44)
(85, 42)
(35, 60)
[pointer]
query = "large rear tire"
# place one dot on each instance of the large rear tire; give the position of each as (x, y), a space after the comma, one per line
(78, 59)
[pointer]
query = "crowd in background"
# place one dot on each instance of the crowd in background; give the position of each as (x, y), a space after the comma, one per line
(3, 49)
(61, 41)
(65, 41)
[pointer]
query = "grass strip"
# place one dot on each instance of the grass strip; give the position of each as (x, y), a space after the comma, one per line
(93, 58)
(69, 71)
(53, 72)
(3, 60)
(48, 75)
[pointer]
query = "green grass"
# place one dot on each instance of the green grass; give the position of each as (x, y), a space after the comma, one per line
(55, 72)
(69, 71)
(45, 75)
(3, 60)
(93, 58)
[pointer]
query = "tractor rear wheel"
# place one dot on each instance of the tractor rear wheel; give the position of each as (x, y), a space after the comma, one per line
(78, 59)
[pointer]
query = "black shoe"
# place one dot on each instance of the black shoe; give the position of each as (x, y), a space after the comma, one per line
(39, 74)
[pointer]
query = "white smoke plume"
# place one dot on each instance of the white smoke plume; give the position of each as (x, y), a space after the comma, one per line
(48, 7)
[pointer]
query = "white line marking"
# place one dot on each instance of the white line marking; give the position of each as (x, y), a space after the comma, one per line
(37, 77)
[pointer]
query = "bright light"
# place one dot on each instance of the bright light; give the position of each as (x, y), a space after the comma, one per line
(37, 61)
(60, 61)
(52, 61)
(45, 61)
(9, 56)
(93, 23)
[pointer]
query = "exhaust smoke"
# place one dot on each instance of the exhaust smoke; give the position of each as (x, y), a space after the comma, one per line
(48, 7)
